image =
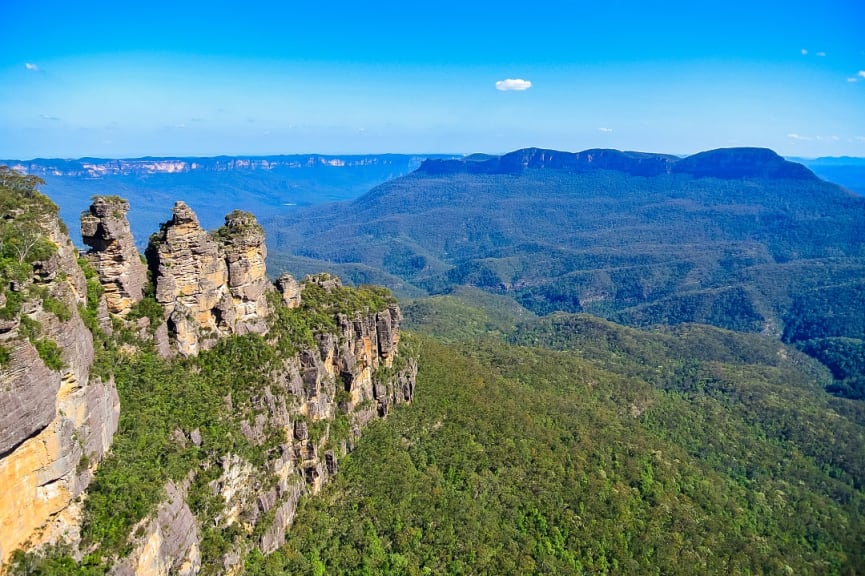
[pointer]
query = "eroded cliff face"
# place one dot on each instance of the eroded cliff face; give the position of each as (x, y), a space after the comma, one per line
(210, 286)
(112, 253)
(170, 540)
(317, 404)
(56, 422)
(343, 369)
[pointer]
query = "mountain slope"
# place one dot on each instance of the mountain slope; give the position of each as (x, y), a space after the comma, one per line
(738, 238)
(520, 460)
(597, 240)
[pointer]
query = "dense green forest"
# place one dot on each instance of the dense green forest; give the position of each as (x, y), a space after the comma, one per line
(572, 445)
(618, 374)
(564, 444)
(738, 239)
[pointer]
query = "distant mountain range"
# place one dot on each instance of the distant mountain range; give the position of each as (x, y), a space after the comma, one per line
(266, 185)
(845, 170)
(273, 185)
(737, 238)
(726, 164)
(103, 167)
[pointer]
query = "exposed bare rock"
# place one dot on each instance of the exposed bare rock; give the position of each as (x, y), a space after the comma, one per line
(324, 280)
(340, 375)
(282, 518)
(28, 395)
(244, 250)
(170, 543)
(290, 290)
(239, 487)
(56, 423)
(190, 275)
(50, 419)
(210, 286)
(113, 254)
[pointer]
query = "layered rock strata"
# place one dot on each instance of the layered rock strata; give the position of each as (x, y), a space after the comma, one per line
(209, 285)
(170, 540)
(55, 423)
(353, 374)
(112, 253)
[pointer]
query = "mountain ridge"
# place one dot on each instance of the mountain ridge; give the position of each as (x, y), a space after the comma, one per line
(726, 163)
(95, 167)
(737, 238)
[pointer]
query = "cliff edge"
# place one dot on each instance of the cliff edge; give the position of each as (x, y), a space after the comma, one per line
(56, 418)
(283, 379)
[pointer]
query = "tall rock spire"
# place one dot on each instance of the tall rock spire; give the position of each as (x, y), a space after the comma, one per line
(112, 253)
(210, 286)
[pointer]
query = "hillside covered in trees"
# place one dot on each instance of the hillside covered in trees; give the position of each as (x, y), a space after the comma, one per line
(622, 368)
(736, 238)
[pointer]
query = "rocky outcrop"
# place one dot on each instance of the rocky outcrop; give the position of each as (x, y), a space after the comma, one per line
(56, 422)
(244, 251)
(169, 543)
(57, 419)
(113, 254)
(318, 402)
(355, 373)
(210, 286)
(290, 289)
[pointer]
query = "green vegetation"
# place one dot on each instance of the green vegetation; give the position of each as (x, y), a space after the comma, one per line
(755, 254)
(465, 313)
(50, 353)
(23, 241)
(517, 460)
(562, 444)
(160, 397)
(213, 393)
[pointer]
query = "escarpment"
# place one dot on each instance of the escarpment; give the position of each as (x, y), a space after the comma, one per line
(56, 418)
(344, 369)
(250, 393)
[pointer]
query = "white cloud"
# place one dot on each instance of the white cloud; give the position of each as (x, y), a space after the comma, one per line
(861, 74)
(513, 84)
(606, 130)
(821, 54)
(794, 136)
(31, 66)
(852, 79)
(803, 51)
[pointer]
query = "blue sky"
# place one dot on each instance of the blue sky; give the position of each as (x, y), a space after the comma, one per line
(121, 79)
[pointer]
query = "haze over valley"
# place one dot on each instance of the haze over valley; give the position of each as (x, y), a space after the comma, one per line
(408, 289)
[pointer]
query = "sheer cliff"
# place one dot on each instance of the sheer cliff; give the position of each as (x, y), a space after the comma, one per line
(172, 424)
(56, 417)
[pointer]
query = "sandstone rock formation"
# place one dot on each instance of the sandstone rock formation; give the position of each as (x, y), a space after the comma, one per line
(341, 377)
(210, 286)
(290, 290)
(55, 423)
(57, 420)
(113, 254)
(244, 251)
(169, 543)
